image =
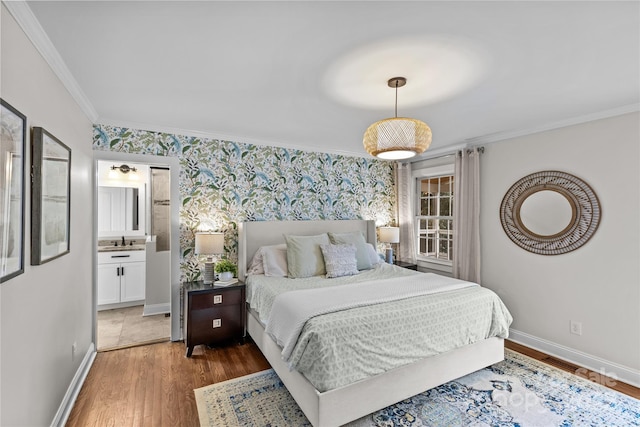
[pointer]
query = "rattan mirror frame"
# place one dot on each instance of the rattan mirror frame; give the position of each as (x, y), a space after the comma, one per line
(585, 218)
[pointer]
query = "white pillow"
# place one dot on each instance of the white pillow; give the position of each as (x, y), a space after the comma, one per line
(257, 263)
(274, 260)
(340, 260)
(373, 255)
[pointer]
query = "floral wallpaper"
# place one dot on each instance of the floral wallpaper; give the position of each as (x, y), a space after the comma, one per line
(223, 183)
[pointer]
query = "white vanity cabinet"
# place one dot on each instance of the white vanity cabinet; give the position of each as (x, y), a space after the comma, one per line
(121, 277)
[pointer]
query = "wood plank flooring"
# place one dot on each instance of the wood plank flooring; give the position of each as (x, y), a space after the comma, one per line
(153, 385)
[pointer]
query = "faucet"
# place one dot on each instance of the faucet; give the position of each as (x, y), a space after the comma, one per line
(123, 242)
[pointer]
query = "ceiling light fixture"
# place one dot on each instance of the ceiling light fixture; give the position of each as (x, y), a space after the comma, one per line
(398, 137)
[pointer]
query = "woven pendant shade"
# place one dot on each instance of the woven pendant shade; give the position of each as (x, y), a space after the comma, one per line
(397, 138)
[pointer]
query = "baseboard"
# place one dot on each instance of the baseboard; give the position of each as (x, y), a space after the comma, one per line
(71, 395)
(152, 309)
(617, 372)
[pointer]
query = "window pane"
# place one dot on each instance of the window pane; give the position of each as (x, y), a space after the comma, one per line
(423, 245)
(444, 206)
(443, 224)
(432, 207)
(432, 224)
(423, 224)
(445, 185)
(424, 207)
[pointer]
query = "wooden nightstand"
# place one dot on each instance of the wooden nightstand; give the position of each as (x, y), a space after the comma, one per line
(406, 265)
(213, 314)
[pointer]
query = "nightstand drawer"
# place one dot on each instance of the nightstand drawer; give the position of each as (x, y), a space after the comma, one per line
(216, 324)
(216, 299)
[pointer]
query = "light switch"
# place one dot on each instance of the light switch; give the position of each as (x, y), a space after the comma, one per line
(217, 323)
(217, 299)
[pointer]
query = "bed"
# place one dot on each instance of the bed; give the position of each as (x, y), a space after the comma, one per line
(334, 403)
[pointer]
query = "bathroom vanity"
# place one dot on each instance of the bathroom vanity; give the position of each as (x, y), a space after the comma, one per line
(121, 275)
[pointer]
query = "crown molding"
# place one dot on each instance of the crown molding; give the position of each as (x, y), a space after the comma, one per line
(501, 136)
(25, 18)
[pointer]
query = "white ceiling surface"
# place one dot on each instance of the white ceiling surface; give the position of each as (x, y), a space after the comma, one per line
(312, 74)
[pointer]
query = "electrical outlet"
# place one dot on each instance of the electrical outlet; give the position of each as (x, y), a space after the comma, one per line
(576, 327)
(74, 347)
(217, 323)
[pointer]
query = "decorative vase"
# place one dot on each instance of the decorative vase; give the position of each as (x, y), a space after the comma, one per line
(226, 275)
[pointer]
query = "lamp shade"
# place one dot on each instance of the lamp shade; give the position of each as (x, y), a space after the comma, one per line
(389, 234)
(209, 243)
(397, 138)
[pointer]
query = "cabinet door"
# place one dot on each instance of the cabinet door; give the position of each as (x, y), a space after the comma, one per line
(108, 284)
(132, 287)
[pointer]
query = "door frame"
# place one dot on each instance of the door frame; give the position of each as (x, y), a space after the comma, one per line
(173, 164)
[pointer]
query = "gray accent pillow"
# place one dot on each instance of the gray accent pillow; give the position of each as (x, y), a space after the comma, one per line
(340, 260)
(356, 239)
(304, 257)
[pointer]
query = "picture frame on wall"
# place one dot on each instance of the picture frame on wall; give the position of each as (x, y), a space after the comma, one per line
(50, 197)
(13, 130)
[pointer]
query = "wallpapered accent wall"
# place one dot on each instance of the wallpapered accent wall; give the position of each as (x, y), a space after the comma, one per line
(223, 183)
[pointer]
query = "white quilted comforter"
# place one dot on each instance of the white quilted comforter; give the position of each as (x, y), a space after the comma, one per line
(339, 347)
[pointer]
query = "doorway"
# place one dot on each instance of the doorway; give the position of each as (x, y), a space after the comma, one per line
(142, 319)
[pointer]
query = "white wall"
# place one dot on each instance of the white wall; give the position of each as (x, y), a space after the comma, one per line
(48, 308)
(597, 284)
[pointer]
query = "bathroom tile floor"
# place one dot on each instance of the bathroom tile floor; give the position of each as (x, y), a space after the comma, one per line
(126, 327)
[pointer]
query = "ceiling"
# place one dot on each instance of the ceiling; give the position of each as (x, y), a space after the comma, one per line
(312, 74)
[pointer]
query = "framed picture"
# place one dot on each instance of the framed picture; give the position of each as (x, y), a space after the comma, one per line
(13, 130)
(50, 197)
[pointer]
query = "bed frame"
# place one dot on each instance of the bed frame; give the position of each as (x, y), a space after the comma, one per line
(342, 405)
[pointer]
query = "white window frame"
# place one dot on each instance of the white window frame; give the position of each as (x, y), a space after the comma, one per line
(416, 175)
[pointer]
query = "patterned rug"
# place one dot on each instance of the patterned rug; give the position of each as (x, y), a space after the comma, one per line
(519, 391)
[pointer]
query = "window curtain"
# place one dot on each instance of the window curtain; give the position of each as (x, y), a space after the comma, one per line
(466, 215)
(407, 245)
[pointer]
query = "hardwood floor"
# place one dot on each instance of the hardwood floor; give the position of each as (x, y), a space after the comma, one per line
(153, 385)
(575, 369)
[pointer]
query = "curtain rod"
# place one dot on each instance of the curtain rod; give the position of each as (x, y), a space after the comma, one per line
(479, 147)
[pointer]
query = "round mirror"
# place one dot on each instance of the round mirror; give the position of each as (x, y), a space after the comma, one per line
(550, 213)
(546, 213)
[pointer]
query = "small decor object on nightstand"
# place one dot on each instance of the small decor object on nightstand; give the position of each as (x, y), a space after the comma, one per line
(226, 270)
(209, 244)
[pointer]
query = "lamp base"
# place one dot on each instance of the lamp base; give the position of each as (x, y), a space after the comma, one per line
(209, 277)
(388, 255)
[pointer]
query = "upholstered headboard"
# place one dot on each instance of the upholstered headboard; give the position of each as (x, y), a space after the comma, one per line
(252, 235)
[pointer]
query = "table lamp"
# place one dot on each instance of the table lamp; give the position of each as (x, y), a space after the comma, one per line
(389, 235)
(209, 244)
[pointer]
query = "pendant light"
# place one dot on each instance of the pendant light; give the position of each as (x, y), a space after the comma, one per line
(398, 137)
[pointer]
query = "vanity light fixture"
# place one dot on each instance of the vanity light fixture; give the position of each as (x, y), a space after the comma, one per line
(124, 169)
(398, 137)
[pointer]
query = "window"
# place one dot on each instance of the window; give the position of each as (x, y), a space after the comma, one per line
(435, 218)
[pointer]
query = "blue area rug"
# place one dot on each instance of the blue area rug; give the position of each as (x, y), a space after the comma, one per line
(519, 391)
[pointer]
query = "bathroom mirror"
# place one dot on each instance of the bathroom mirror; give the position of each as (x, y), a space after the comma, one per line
(120, 211)
(550, 213)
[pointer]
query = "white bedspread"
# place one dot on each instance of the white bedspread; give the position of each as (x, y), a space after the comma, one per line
(291, 310)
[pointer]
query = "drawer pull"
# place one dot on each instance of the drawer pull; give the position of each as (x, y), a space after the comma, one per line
(120, 256)
(217, 323)
(217, 299)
